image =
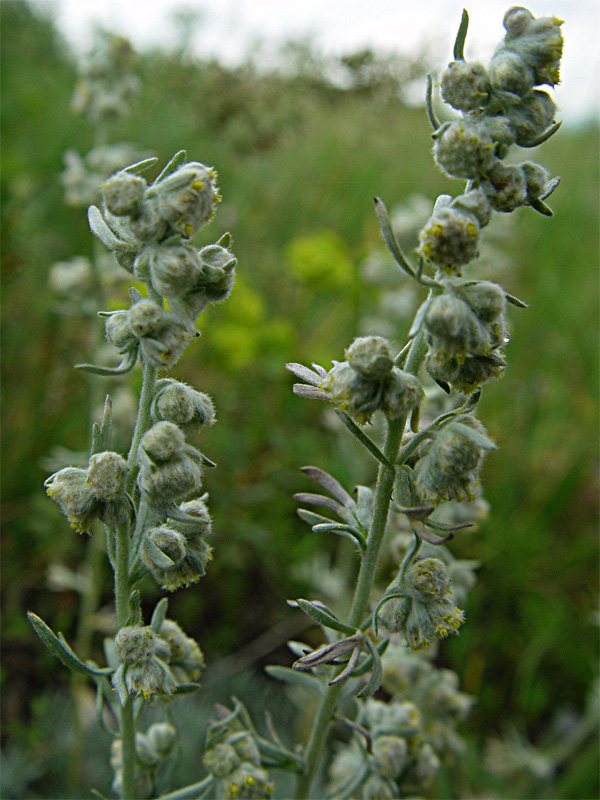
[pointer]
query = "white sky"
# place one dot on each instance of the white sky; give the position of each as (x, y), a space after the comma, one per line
(230, 28)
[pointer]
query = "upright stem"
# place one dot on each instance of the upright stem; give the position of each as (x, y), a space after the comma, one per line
(142, 422)
(366, 576)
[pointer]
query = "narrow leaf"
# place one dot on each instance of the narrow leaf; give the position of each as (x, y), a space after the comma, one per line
(321, 500)
(156, 555)
(418, 513)
(125, 366)
(140, 166)
(348, 669)
(543, 137)
(541, 207)
(459, 44)
(477, 438)
(442, 526)
(225, 240)
(329, 483)
(295, 678)
(186, 688)
(376, 674)
(177, 160)
(304, 373)
(515, 301)
(419, 317)
(422, 532)
(321, 614)
(368, 663)
(397, 595)
(314, 519)
(159, 614)
(342, 530)
(390, 239)
(135, 609)
(101, 434)
(434, 121)
(61, 649)
(192, 792)
(100, 229)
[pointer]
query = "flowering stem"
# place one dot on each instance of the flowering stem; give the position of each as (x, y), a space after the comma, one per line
(366, 576)
(142, 422)
(128, 752)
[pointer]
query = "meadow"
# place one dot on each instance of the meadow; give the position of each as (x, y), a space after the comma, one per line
(299, 161)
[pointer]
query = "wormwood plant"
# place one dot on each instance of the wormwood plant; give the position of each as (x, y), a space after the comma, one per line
(156, 519)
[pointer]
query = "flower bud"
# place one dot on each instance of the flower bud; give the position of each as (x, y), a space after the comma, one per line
(173, 269)
(370, 356)
(510, 74)
(123, 193)
(68, 488)
(449, 240)
(465, 376)
(247, 750)
(538, 42)
(221, 760)
(464, 148)
(118, 333)
(145, 752)
(189, 557)
(162, 442)
(134, 644)
(452, 329)
(532, 117)
(248, 782)
(200, 525)
(505, 187)
(164, 348)
(427, 580)
(449, 468)
(106, 475)
(161, 737)
(476, 204)
(145, 318)
(389, 755)
(428, 765)
(487, 300)
(186, 198)
(186, 659)
(182, 405)
(402, 393)
(465, 86)
(377, 788)
(357, 394)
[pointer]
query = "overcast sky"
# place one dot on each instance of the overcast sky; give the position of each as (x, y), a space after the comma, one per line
(230, 28)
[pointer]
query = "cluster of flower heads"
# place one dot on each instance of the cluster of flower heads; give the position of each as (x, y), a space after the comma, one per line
(420, 604)
(500, 107)
(152, 663)
(465, 331)
(151, 748)
(97, 492)
(365, 382)
(388, 756)
(148, 228)
(106, 85)
(232, 757)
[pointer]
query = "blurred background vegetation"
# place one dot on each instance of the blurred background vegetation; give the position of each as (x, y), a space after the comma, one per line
(299, 159)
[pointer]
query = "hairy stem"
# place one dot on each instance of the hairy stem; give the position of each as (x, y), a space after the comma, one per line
(122, 603)
(142, 422)
(366, 576)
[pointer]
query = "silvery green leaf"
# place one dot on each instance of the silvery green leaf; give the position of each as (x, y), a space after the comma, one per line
(376, 674)
(186, 688)
(295, 678)
(389, 237)
(419, 317)
(515, 301)
(225, 240)
(312, 518)
(125, 366)
(321, 500)
(159, 614)
(329, 483)
(177, 160)
(100, 229)
(140, 166)
(321, 614)
(459, 44)
(477, 438)
(342, 530)
(156, 555)
(61, 649)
